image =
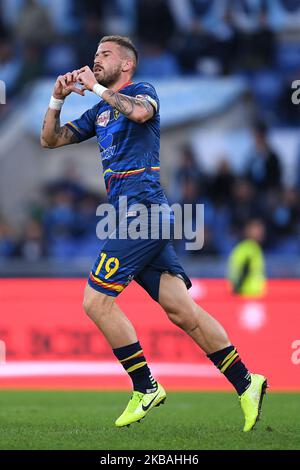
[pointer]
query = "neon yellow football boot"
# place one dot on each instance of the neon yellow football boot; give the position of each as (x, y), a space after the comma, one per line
(139, 405)
(251, 400)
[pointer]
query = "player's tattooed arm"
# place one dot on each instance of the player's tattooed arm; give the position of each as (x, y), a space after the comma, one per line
(53, 135)
(137, 109)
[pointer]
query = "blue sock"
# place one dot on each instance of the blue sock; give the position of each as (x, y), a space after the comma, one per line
(228, 361)
(133, 360)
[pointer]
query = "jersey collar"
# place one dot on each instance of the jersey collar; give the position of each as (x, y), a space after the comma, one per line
(125, 85)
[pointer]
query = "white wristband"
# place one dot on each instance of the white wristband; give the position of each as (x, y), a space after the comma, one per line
(99, 89)
(56, 104)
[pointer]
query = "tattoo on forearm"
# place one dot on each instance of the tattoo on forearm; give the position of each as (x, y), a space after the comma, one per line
(127, 104)
(193, 329)
(60, 135)
(57, 125)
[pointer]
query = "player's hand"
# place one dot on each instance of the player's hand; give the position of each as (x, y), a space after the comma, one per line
(66, 84)
(86, 78)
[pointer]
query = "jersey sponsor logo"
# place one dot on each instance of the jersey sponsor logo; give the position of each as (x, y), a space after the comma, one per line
(107, 149)
(103, 119)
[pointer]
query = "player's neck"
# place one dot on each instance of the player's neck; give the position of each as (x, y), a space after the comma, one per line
(121, 83)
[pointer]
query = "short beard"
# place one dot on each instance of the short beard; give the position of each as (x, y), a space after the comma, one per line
(111, 78)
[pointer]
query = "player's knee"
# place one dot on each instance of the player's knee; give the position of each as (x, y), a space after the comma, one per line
(170, 306)
(182, 315)
(182, 318)
(175, 307)
(94, 306)
(88, 305)
(177, 319)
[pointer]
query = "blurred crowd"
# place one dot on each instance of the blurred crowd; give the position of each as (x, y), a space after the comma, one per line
(62, 222)
(256, 38)
(231, 200)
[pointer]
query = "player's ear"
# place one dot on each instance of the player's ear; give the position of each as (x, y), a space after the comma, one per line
(127, 65)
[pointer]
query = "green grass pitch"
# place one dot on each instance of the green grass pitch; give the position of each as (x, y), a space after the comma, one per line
(195, 421)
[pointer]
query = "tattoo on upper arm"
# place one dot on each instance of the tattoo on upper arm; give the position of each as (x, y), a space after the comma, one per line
(127, 104)
(67, 136)
(148, 106)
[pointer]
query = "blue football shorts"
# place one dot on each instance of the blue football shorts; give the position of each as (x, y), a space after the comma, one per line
(143, 260)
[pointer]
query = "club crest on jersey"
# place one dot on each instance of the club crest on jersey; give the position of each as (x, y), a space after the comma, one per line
(116, 114)
(103, 119)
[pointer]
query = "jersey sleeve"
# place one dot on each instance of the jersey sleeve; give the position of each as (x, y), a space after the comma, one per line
(147, 92)
(84, 127)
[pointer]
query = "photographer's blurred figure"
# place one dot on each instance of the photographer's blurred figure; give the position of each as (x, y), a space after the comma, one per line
(246, 271)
